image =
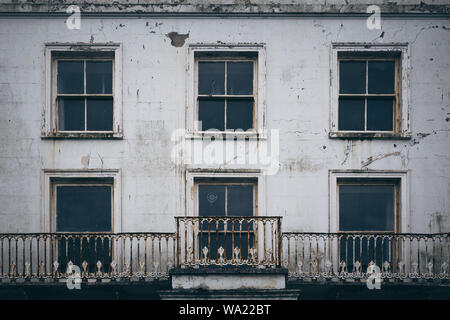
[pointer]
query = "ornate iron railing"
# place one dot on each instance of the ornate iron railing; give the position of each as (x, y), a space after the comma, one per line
(358, 255)
(221, 241)
(97, 255)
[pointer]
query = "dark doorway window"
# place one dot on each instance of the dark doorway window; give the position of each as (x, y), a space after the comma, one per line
(83, 208)
(83, 214)
(367, 207)
(367, 210)
(227, 200)
(368, 94)
(225, 93)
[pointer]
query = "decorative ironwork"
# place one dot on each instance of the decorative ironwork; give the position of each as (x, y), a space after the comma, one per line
(221, 241)
(97, 255)
(251, 241)
(348, 255)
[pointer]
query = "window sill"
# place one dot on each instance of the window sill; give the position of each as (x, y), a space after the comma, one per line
(83, 135)
(370, 135)
(201, 135)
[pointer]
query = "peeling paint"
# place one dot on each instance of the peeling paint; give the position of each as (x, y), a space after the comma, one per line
(85, 161)
(177, 40)
(379, 157)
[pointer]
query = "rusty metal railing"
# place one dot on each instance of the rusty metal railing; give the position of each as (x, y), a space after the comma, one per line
(98, 255)
(349, 255)
(221, 241)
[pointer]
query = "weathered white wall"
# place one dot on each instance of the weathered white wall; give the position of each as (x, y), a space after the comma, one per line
(154, 100)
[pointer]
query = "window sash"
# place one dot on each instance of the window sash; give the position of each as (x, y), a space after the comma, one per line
(366, 95)
(373, 183)
(82, 95)
(78, 183)
(226, 96)
(226, 184)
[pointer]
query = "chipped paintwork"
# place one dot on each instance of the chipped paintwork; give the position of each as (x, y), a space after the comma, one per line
(176, 39)
(221, 7)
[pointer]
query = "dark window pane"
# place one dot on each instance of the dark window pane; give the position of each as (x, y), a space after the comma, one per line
(70, 77)
(240, 77)
(239, 114)
(381, 77)
(212, 114)
(83, 208)
(211, 77)
(240, 201)
(352, 77)
(100, 114)
(366, 207)
(99, 77)
(71, 114)
(211, 200)
(380, 114)
(351, 114)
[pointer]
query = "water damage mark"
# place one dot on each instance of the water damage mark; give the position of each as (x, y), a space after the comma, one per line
(177, 39)
(378, 157)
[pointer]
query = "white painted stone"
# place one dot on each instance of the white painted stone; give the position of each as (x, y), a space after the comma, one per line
(229, 281)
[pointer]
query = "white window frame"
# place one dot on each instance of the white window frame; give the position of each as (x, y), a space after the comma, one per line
(192, 190)
(48, 175)
(403, 130)
(403, 225)
(49, 114)
(259, 129)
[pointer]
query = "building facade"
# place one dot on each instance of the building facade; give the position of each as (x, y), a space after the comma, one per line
(307, 136)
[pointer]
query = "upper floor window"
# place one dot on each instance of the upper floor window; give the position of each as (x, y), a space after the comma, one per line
(369, 91)
(83, 91)
(226, 91)
(84, 96)
(368, 94)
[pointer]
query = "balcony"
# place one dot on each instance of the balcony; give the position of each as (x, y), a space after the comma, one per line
(223, 243)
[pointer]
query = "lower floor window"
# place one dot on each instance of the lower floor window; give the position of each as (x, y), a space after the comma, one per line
(80, 206)
(83, 205)
(227, 200)
(367, 210)
(367, 205)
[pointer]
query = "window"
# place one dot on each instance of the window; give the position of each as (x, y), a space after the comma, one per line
(83, 91)
(93, 193)
(367, 94)
(84, 94)
(226, 92)
(367, 205)
(369, 91)
(82, 205)
(231, 198)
